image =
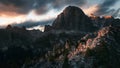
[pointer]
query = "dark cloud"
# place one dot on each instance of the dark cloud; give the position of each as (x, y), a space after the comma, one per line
(18, 6)
(116, 13)
(13, 2)
(59, 3)
(108, 3)
(41, 6)
(104, 8)
(29, 24)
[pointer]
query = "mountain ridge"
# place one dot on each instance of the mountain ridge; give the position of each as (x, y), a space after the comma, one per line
(96, 45)
(72, 18)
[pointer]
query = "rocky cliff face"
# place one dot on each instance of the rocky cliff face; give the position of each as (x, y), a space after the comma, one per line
(74, 46)
(102, 50)
(73, 18)
(104, 21)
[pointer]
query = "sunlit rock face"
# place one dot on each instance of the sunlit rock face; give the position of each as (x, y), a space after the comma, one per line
(73, 18)
(100, 51)
(103, 21)
(74, 46)
(108, 39)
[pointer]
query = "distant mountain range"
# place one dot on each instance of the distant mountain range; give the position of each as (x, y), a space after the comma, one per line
(74, 40)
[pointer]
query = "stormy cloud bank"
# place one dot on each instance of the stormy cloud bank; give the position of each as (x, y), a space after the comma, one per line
(105, 8)
(13, 8)
(41, 6)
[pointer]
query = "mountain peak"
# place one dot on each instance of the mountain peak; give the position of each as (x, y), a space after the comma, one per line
(73, 9)
(73, 18)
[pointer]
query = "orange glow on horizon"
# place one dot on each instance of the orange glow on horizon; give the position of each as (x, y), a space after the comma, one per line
(91, 10)
(107, 17)
(31, 16)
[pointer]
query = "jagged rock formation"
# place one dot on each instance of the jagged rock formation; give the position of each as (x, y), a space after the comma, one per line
(72, 18)
(100, 51)
(109, 38)
(104, 21)
(74, 46)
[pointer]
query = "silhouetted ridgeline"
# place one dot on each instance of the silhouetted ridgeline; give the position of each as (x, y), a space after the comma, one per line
(73, 41)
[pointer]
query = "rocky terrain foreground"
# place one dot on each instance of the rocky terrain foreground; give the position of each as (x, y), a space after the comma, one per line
(74, 40)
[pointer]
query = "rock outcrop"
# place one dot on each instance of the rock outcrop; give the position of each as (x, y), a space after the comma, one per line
(73, 18)
(71, 42)
(104, 21)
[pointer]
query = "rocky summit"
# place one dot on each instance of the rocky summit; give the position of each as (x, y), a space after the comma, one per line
(73, 18)
(74, 40)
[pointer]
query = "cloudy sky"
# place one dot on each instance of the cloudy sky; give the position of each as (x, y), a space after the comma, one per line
(31, 13)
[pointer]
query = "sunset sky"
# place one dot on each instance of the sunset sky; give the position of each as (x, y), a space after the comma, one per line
(37, 13)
